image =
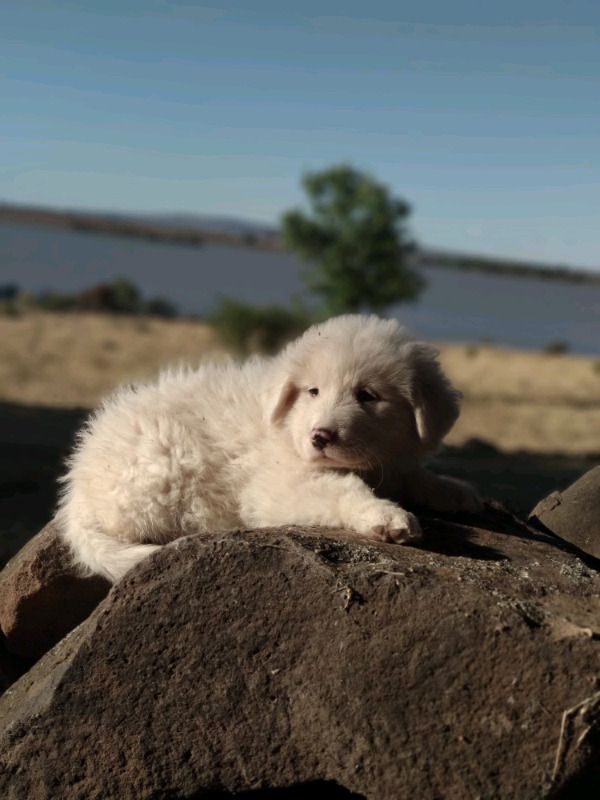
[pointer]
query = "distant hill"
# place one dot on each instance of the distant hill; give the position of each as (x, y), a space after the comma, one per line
(208, 222)
(195, 229)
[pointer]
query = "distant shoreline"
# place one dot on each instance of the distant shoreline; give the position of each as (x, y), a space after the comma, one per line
(516, 269)
(195, 236)
(130, 227)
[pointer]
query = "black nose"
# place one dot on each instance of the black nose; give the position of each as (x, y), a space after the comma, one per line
(321, 437)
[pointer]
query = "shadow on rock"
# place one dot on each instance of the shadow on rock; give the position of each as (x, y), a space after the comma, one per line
(34, 442)
(454, 539)
(519, 480)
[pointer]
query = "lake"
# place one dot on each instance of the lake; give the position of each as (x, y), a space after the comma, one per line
(456, 306)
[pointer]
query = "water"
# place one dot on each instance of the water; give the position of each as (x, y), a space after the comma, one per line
(519, 312)
(456, 306)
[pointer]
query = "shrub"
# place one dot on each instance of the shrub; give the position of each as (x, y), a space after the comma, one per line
(9, 295)
(248, 328)
(127, 296)
(557, 348)
(55, 301)
(160, 307)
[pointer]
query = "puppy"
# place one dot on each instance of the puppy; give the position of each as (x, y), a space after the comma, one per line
(333, 431)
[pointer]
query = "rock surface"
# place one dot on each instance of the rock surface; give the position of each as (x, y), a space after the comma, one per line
(41, 596)
(466, 667)
(574, 514)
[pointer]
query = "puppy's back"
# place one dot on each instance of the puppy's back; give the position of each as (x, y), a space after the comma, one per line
(149, 464)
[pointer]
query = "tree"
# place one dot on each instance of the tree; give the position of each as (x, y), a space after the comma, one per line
(356, 241)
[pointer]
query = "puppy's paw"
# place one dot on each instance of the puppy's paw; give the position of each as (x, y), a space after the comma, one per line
(453, 495)
(390, 523)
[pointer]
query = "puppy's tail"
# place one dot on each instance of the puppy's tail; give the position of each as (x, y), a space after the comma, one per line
(95, 553)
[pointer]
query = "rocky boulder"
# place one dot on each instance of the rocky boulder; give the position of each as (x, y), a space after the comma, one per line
(466, 667)
(574, 514)
(42, 598)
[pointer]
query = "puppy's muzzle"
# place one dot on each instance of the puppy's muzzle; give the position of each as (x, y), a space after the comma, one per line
(321, 437)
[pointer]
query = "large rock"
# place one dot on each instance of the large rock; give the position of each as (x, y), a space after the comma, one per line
(465, 668)
(41, 596)
(11, 667)
(574, 514)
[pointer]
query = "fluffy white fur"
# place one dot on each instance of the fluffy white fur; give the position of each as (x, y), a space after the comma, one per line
(325, 433)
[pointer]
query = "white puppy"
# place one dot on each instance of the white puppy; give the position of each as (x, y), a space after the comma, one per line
(325, 433)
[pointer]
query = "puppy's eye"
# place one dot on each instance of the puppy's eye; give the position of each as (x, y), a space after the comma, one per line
(366, 396)
(314, 391)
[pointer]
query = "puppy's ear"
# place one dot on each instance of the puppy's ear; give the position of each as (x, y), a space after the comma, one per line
(284, 398)
(435, 403)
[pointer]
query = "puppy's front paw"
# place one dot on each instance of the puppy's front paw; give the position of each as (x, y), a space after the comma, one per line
(389, 523)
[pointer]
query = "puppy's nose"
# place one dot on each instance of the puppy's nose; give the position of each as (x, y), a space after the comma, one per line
(321, 437)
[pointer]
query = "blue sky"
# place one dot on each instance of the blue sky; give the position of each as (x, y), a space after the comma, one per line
(484, 115)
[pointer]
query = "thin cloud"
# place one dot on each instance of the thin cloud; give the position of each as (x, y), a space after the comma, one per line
(539, 32)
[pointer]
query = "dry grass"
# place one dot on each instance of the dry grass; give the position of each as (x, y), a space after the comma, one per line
(512, 399)
(526, 401)
(75, 359)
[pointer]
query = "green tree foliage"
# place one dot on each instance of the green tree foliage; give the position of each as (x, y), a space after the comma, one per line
(356, 241)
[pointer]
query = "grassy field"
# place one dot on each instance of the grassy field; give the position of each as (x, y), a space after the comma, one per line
(513, 400)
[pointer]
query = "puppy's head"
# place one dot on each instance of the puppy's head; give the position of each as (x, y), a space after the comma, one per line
(357, 392)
